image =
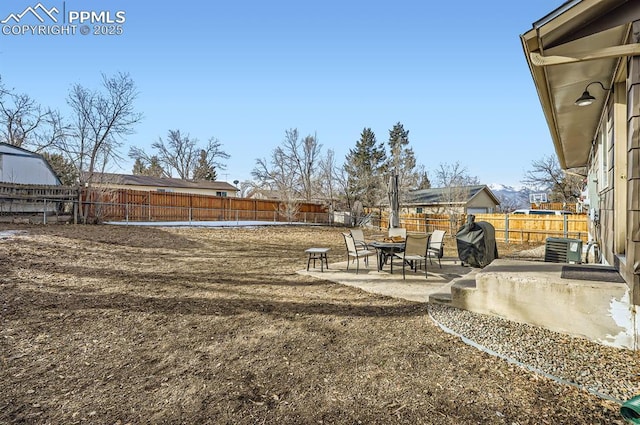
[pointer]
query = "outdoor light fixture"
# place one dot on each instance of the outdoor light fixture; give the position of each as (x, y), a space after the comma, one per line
(586, 98)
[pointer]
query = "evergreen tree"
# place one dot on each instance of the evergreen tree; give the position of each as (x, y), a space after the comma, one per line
(423, 181)
(402, 160)
(155, 168)
(64, 169)
(151, 169)
(204, 170)
(139, 168)
(364, 166)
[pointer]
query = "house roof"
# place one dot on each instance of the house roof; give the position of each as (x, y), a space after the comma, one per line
(264, 193)
(440, 195)
(581, 42)
(18, 151)
(137, 180)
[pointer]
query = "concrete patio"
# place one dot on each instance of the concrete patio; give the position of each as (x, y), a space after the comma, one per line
(414, 288)
(530, 292)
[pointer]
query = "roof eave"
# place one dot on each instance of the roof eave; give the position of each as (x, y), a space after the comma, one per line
(581, 42)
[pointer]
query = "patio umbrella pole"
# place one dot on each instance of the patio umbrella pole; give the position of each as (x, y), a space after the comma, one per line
(394, 202)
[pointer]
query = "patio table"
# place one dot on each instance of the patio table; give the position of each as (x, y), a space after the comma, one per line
(318, 254)
(386, 250)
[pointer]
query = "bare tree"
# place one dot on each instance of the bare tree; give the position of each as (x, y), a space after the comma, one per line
(292, 168)
(452, 175)
(278, 174)
(24, 122)
(327, 180)
(344, 181)
(507, 204)
(204, 170)
(455, 182)
(304, 156)
(182, 154)
(101, 120)
(245, 187)
(546, 175)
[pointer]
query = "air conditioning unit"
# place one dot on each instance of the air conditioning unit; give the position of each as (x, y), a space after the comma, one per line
(563, 250)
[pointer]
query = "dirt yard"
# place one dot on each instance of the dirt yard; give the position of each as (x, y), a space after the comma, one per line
(117, 325)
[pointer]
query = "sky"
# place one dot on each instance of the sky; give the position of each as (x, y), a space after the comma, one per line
(452, 73)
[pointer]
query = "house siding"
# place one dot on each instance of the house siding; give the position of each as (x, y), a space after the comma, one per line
(481, 202)
(619, 201)
(606, 138)
(167, 189)
(632, 269)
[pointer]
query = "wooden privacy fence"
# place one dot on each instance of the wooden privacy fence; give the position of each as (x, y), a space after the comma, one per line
(510, 228)
(537, 228)
(422, 222)
(132, 205)
(573, 207)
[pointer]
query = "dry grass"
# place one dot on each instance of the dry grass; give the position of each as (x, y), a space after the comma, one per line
(115, 325)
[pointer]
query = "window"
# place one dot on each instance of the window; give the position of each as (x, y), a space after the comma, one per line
(605, 136)
(418, 210)
(223, 194)
(609, 143)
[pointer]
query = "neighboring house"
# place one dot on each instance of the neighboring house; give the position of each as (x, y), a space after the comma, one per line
(266, 194)
(468, 200)
(276, 195)
(163, 184)
(588, 52)
(20, 166)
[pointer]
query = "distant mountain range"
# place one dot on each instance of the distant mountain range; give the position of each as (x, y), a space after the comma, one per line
(510, 197)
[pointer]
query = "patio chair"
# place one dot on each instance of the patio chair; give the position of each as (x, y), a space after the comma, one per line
(436, 246)
(398, 231)
(354, 254)
(415, 252)
(358, 238)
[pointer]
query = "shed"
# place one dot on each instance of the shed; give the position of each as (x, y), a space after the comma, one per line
(20, 166)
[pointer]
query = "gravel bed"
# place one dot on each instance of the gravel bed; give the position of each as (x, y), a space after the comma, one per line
(608, 372)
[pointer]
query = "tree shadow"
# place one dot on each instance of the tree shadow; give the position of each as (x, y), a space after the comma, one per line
(181, 305)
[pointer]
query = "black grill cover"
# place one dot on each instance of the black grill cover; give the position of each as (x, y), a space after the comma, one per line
(477, 243)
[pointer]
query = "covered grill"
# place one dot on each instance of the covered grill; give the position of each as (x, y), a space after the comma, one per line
(477, 243)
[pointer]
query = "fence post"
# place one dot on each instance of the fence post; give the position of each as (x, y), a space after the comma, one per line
(190, 215)
(44, 218)
(565, 225)
(506, 228)
(126, 209)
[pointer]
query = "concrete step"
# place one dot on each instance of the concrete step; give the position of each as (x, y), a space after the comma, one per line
(461, 289)
(464, 284)
(442, 298)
